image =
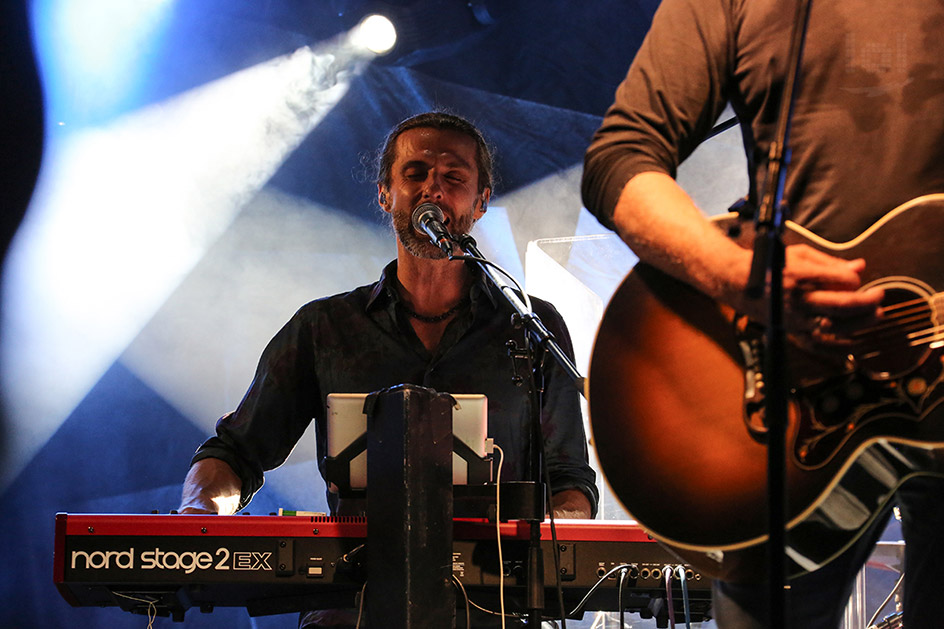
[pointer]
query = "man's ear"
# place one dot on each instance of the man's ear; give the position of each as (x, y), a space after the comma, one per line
(483, 203)
(382, 198)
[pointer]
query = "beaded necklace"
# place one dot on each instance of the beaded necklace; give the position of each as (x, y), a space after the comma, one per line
(435, 318)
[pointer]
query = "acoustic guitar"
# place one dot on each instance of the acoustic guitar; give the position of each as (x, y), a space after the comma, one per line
(676, 397)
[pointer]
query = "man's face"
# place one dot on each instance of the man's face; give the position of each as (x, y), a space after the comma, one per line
(434, 166)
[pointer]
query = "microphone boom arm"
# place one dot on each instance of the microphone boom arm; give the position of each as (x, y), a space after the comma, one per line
(529, 319)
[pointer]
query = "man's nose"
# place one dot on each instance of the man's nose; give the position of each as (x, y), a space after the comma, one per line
(433, 187)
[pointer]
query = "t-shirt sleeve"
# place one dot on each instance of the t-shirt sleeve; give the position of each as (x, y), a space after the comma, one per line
(673, 93)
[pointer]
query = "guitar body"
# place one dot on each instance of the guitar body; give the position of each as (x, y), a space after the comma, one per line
(676, 405)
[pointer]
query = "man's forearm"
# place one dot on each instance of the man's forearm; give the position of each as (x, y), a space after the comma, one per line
(571, 503)
(211, 486)
(664, 227)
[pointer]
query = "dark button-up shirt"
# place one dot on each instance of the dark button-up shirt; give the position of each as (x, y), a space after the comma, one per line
(361, 342)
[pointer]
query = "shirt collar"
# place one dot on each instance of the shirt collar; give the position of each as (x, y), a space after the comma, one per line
(385, 292)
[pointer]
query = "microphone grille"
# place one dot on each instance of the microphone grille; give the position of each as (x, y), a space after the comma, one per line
(424, 210)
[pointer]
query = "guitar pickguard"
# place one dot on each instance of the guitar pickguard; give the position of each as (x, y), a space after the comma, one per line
(831, 414)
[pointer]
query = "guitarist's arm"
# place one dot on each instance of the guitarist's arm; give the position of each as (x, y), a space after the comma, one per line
(664, 227)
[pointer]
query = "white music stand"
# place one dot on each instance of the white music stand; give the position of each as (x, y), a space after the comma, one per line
(578, 275)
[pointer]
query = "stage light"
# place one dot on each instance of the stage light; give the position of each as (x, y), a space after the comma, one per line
(124, 211)
(376, 33)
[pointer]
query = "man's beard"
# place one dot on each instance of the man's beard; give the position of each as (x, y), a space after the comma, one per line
(419, 245)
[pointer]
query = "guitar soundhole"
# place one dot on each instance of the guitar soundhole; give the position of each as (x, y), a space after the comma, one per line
(902, 338)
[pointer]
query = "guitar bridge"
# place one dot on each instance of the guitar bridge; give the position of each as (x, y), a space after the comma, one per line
(750, 342)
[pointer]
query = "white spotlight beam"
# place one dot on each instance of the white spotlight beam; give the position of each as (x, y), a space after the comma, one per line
(122, 213)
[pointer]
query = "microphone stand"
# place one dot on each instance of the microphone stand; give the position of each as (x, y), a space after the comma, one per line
(532, 323)
(768, 261)
(544, 340)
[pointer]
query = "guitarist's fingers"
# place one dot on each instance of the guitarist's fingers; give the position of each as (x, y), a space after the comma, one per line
(833, 317)
(808, 268)
(842, 303)
(820, 284)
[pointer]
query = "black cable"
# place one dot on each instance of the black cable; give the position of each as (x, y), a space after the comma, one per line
(465, 596)
(556, 553)
(685, 601)
(522, 295)
(586, 597)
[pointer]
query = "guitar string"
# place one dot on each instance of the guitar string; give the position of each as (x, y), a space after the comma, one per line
(913, 314)
(926, 336)
(903, 322)
(921, 302)
(905, 318)
(936, 334)
(921, 336)
(916, 306)
(893, 326)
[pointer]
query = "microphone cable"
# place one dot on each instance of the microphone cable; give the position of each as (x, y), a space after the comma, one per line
(619, 596)
(523, 296)
(501, 560)
(600, 581)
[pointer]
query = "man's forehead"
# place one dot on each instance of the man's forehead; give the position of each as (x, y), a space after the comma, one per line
(436, 143)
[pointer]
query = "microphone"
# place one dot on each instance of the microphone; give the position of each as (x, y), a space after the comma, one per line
(428, 218)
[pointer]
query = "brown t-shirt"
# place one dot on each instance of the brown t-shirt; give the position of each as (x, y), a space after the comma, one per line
(868, 127)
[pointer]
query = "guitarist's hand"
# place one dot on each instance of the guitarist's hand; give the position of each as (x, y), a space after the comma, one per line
(665, 228)
(822, 297)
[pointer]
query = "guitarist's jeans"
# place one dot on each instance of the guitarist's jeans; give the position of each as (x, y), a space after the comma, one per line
(817, 600)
